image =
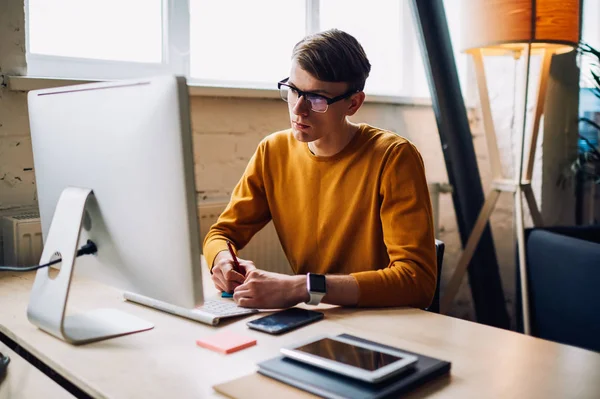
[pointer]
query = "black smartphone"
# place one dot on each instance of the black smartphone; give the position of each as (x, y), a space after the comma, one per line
(285, 320)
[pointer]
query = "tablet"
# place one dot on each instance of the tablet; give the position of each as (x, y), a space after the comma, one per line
(354, 359)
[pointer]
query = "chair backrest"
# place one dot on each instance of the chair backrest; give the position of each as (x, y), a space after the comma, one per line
(439, 254)
(563, 276)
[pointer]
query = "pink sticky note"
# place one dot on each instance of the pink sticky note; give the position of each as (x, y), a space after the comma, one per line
(226, 342)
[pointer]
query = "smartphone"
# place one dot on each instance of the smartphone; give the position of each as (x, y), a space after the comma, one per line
(285, 320)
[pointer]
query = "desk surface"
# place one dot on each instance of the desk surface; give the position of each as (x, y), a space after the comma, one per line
(24, 381)
(165, 361)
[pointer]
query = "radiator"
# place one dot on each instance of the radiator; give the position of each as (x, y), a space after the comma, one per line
(21, 243)
(264, 249)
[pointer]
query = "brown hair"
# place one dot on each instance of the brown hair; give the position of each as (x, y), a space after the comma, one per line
(333, 56)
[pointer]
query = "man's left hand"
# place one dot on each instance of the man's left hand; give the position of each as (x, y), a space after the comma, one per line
(267, 290)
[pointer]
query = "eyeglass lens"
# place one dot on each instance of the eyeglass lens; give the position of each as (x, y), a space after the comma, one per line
(317, 103)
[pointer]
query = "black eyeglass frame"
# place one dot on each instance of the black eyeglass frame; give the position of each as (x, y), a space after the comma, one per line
(327, 99)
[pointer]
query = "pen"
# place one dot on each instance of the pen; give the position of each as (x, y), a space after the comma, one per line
(236, 265)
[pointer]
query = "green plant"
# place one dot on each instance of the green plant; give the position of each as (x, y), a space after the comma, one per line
(588, 161)
(586, 166)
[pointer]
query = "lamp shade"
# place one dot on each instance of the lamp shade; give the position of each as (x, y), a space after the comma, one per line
(511, 24)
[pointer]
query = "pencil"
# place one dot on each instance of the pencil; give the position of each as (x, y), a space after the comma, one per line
(236, 265)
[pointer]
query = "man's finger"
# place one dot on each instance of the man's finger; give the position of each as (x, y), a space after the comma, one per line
(231, 285)
(242, 290)
(218, 282)
(246, 266)
(224, 267)
(241, 294)
(247, 303)
(233, 276)
(224, 284)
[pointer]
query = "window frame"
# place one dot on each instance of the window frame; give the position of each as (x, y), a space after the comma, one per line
(176, 57)
(175, 53)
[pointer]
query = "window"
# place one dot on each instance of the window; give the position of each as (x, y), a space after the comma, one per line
(100, 39)
(590, 34)
(88, 29)
(377, 26)
(240, 43)
(244, 42)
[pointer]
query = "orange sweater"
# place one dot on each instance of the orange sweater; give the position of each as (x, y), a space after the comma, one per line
(364, 211)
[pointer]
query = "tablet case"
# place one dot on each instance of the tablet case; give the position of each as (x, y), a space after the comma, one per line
(332, 385)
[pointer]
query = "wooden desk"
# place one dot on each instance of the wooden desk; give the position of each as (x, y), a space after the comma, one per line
(165, 362)
(24, 381)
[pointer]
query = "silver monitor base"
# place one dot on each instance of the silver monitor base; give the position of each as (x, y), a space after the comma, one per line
(48, 302)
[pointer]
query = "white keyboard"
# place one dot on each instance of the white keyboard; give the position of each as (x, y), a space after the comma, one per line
(222, 308)
(211, 312)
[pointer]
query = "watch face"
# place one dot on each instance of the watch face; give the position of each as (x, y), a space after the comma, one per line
(317, 283)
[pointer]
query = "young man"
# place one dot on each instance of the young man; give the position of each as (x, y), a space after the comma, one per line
(349, 201)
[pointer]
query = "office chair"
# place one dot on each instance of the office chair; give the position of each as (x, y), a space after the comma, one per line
(439, 255)
(563, 273)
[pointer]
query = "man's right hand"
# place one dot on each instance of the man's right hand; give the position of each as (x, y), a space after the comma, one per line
(224, 276)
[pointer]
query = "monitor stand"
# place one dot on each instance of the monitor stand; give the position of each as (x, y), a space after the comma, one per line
(48, 301)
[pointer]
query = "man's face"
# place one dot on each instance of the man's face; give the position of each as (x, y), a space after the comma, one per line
(308, 125)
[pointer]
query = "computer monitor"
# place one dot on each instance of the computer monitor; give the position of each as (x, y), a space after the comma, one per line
(116, 159)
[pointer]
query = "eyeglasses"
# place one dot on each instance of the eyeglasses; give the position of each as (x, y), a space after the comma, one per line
(318, 103)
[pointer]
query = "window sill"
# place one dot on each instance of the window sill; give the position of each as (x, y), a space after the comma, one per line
(27, 83)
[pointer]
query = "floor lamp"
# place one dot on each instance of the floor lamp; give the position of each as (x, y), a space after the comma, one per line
(520, 28)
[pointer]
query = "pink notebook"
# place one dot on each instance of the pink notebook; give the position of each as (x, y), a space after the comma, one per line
(226, 342)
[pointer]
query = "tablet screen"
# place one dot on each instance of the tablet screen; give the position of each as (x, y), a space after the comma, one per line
(351, 355)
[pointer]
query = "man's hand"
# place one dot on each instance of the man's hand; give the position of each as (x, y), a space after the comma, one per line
(266, 290)
(223, 275)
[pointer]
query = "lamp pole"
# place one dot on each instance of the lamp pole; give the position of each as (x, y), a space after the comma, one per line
(509, 27)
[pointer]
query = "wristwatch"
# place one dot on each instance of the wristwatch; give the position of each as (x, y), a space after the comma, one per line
(317, 288)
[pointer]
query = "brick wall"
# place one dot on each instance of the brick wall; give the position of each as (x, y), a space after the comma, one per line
(16, 184)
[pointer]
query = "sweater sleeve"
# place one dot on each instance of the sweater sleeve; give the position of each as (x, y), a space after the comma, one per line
(245, 215)
(406, 217)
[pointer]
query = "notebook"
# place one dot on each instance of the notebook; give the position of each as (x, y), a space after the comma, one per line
(257, 386)
(331, 385)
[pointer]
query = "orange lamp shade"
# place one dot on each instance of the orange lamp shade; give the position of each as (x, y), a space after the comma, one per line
(500, 25)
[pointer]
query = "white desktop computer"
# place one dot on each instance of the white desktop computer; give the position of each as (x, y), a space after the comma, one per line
(114, 165)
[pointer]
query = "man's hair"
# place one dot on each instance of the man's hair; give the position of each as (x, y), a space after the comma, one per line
(333, 56)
